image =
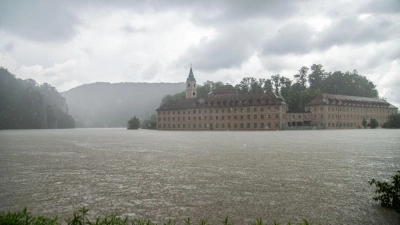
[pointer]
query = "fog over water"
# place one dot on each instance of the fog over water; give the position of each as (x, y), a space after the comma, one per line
(277, 175)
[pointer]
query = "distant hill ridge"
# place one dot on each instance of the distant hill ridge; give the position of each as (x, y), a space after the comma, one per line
(113, 104)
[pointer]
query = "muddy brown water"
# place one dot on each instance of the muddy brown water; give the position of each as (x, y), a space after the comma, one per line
(159, 175)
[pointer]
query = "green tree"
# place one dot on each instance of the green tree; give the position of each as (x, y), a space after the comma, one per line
(276, 81)
(207, 87)
(168, 98)
(297, 100)
(301, 78)
(389, 193)
(393, 122)
(349, 84)
(285, 87)
(268, 86)
(250, 85)
(373, 123)
(150, 123)
(364, 123)
(316, 76)
(134, 123)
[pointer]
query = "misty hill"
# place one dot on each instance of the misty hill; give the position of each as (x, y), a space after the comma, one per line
(112, 105)
(24, 104)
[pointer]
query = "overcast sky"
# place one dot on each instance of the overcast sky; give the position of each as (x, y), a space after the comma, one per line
(70, 43)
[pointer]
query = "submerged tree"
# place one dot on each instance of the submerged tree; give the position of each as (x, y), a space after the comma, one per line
(134, 123)
(364, 123)
(393, 122)
(150, 123)
(389, 193)
(373, 123)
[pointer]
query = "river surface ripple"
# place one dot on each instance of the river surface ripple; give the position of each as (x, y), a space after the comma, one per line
(159, 175)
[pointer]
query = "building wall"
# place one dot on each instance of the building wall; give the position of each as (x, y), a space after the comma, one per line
(347, 116)
(393, 111)
(298, 119)
(269, 117)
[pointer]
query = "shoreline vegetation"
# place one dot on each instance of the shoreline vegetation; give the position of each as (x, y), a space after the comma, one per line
(24, 217)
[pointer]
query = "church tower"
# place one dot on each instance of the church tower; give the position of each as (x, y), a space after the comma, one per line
(191, 85)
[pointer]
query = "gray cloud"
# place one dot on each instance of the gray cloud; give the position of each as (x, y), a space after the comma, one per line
(229, 49)
(352, 30)
(382, 6)
(152, 70)
(39, 20)
(9, 46)
(48, 20)
(130, 29)
(237, 11)
(294, 37)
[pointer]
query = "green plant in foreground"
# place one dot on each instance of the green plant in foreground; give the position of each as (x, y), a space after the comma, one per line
(80, 218)
(389, 193)
(226, 221)
(258, 222)
(203, 222)
(187, 221)
(24, 218)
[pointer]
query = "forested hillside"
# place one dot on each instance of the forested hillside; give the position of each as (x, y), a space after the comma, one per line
(24, 104)
(112, 105)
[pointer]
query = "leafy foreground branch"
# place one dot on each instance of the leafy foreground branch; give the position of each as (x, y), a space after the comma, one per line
(80, 218)
(389, 193)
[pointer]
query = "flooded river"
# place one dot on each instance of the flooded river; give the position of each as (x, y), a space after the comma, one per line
(277, 175)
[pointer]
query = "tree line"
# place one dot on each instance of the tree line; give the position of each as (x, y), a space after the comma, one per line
(24, 104)
(307, 84)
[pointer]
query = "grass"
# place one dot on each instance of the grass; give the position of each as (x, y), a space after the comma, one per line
(24, 217)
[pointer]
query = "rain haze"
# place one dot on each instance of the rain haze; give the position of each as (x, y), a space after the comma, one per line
(285, 152)
(70, 43)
